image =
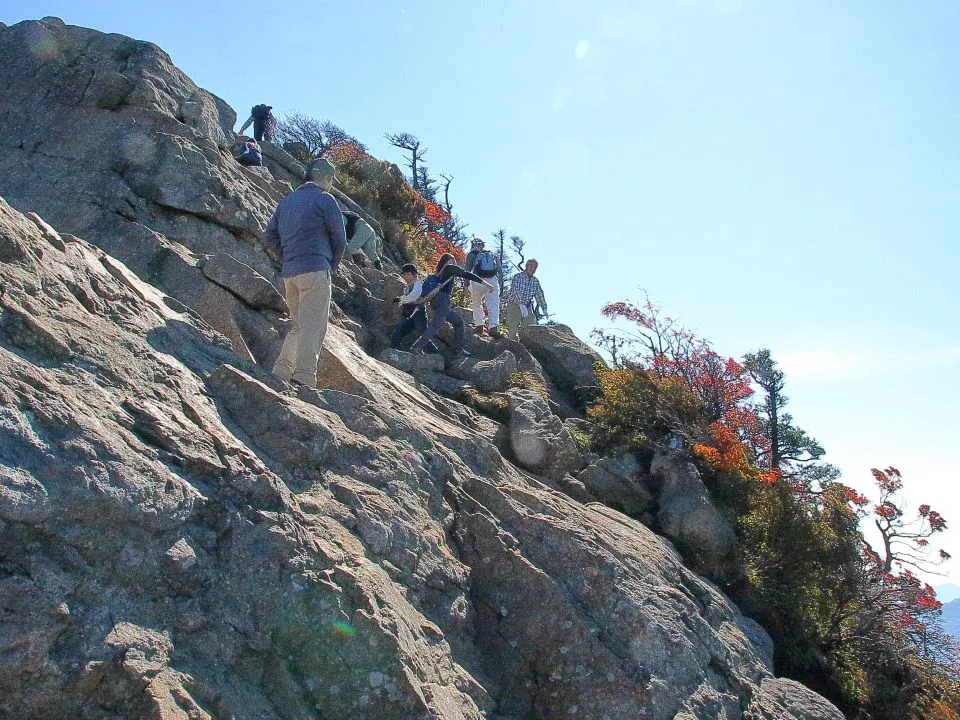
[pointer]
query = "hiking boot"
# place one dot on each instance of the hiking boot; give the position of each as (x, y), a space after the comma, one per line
(378, 265)
(495, 333)
(478, 329)
(359, 260)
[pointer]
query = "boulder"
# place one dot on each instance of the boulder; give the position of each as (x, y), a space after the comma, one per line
(785, 699)
(566, 359)
(540, 442)
(686, 514)
(617, 483)
(494, 375)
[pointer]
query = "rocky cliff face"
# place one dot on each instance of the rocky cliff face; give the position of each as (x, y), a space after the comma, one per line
(183, 536)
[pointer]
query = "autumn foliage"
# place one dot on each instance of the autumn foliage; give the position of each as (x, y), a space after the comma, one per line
(848, 614)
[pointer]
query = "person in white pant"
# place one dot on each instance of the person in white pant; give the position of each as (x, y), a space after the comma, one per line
(485, 264)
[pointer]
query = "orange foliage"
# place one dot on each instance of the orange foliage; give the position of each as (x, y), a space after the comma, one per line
(434, 213)
(728, 452)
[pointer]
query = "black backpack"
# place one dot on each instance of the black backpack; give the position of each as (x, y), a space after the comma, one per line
(350, 223)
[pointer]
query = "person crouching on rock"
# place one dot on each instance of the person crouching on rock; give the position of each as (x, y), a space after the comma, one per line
(307, 229)
(436, 290)
(250, 157)
(413, 314)
(361, 236)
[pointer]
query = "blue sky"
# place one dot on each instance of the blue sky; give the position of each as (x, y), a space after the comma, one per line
(780, 175)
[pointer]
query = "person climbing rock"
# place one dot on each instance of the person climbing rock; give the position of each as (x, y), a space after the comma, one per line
(486, 265)
(307, 230)
(264, 123)
(361, 236)
(436, 289)
(518, 309)
(413, 314)
(250, 157)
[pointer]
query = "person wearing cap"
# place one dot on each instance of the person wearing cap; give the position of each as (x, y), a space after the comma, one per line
(306, 230)
(264, 123)
(484, 263)
(413, 314)
(524, 289)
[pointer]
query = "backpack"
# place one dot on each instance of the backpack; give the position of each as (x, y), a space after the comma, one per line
(350, 223)
(430, 287)
(487, 264)
(260, 111)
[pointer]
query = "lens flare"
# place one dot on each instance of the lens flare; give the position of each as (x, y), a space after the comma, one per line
(342, 627)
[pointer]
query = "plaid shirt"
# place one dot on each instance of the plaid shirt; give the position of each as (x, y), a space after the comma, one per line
(523, 289)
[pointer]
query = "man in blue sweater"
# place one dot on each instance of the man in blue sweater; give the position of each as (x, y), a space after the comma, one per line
(307, 230)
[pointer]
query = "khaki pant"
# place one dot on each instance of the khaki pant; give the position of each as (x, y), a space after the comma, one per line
(515, 320)
(308, 297)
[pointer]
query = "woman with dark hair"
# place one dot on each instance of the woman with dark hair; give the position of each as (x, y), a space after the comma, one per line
(437, 288)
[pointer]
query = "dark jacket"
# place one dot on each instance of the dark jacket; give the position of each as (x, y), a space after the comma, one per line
(250, 156)
(307, 228)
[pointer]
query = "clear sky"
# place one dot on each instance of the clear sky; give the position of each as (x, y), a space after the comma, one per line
(781, 175)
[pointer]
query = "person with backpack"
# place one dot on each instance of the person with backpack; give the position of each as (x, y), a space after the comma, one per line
(264, 123)
(250, 157)
(486, 265)
(436, 290)
(518, 302)
(307, 231)
(413, 314)
(361, 236)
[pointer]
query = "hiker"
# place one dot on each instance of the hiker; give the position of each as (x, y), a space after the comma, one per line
(413, 314)
(307, 230)
(250, 157)
(485, 264)
(524, 289)
(361, 236)
(264, 123)
(436, 290)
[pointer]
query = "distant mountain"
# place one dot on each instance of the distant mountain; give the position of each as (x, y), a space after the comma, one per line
(950, 620)
(947, 592)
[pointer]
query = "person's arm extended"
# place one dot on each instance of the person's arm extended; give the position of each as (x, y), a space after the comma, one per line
(456, 271)
(247, 124)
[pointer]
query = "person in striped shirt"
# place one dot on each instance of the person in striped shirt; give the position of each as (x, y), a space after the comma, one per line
(524, 289)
